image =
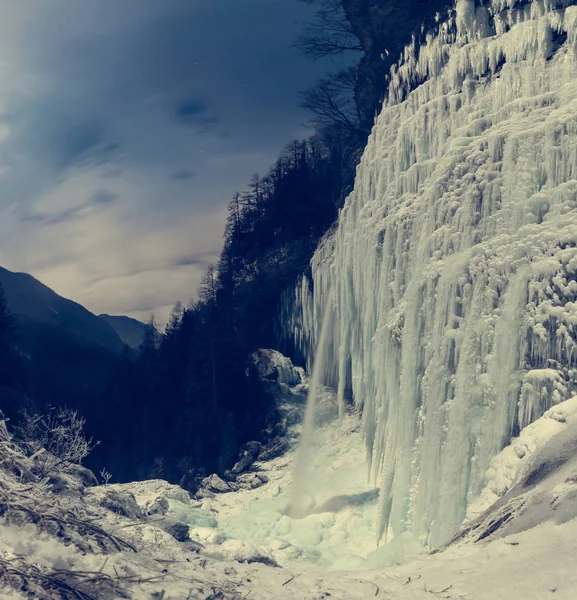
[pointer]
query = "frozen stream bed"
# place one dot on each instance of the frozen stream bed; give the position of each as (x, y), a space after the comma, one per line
(332, 553)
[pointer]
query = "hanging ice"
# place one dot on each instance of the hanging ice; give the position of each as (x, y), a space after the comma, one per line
(454, 267)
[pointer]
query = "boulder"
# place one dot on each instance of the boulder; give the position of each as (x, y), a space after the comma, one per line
(245, 552)
(216, 485)
(158, 506)
(251, 481)
(63, 484)
(248, 454)
(178, 530)
(121, 503)
(274, 366)
(229, 476)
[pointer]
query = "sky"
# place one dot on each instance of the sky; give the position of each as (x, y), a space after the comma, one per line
(125, 128)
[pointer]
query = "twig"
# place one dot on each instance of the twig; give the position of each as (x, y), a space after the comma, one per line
(143, 523)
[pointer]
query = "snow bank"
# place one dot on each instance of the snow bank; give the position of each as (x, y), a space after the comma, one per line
(510, 465)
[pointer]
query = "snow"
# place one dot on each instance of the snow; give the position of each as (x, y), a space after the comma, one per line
(509, 466)
(451, 278)
(251, 548)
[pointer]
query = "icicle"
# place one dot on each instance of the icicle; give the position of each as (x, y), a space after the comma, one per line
(454, 266)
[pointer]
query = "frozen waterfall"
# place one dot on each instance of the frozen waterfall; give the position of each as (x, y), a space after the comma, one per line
(453, 270)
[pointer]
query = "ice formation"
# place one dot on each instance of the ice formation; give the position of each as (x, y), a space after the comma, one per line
(453, 268)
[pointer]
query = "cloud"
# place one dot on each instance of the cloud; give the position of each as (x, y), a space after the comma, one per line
(196, 260)
(103, 198)
(190, 109)
(101, 100)
(55, 131)
(182, 175)
(195, 113)
(52, 219)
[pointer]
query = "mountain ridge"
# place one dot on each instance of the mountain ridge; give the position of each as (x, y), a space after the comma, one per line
(34, 302)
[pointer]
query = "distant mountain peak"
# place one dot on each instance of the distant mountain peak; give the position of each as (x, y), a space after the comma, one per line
(129, 330)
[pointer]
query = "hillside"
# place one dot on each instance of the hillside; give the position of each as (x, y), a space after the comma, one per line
(67, 352)
(129, 330)
(37, 306)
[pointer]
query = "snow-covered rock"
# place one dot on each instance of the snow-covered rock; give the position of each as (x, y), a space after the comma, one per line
(158, 506)
(178, 530)
(532, 481)
(274, 366)
(509, 466)
(216, 485)
(251, 480)
(120, 502)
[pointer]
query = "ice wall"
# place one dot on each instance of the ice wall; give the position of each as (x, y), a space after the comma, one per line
(453, 268)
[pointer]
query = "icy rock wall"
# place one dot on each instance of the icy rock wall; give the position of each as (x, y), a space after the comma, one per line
(453, 277)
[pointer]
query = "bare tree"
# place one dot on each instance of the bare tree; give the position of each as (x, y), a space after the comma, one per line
(329, 33)
(332, 101)
(208, 291)
(56, 438)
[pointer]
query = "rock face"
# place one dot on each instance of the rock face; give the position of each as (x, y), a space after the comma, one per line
(384, 27)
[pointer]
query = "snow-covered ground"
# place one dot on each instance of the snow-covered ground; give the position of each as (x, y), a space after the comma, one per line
(243, 545)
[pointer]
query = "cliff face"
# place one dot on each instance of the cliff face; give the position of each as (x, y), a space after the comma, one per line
(384, 27)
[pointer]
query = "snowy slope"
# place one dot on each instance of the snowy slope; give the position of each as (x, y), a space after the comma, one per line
(451, 279)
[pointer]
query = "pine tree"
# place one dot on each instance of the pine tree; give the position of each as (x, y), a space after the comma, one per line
(7, 321)
(8, 358)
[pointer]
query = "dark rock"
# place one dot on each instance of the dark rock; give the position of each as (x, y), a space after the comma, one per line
(384, 28)
(202, 493)
(121, 503)
(273, 449)
(216, 485)
(192, 546)
(178, 530)
(229, 476)
(248, 454)
(263, 559)
(62, 483)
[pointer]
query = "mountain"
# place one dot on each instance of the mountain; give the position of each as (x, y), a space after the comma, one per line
(35, 304)
(69, 352)
(129, 330)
